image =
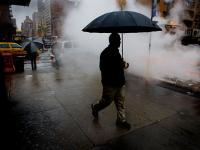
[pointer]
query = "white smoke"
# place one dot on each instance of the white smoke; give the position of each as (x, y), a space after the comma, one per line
(167, 57)
(177, 12)
(169, 1)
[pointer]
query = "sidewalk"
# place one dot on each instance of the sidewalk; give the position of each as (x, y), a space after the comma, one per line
(50, 110)
(190, 87)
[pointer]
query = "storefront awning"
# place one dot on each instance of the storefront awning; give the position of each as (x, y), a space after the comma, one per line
(16, 2)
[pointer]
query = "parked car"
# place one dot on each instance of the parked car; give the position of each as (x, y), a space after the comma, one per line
(16, 51)
(11, 47)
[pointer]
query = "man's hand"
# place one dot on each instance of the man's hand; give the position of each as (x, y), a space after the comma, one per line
(125, 65)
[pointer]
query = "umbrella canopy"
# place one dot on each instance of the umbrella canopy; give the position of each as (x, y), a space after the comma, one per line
(37, 41)
(122, 22)
(32, 44)
(31, 48)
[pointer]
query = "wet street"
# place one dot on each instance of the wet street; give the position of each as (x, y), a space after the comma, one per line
(50, 109)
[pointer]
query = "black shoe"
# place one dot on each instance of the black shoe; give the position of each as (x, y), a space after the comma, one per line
(94, 112)
(124, 125)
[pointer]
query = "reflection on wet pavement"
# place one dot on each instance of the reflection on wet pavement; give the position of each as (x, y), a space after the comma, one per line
(50, 109)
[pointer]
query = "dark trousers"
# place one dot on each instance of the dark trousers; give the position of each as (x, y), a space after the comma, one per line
(33, 57)
(115, 94)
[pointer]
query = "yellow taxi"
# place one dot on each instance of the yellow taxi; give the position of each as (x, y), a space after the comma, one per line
(11, 47)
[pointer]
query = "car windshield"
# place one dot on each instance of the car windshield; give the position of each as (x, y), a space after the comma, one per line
(4, 46)
(15, 46)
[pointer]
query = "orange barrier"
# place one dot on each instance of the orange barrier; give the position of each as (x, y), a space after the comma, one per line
(8, 69)
(8, 65)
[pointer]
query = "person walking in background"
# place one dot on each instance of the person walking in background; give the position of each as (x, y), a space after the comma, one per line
(113, 80)
(56, 52)
(32, 55)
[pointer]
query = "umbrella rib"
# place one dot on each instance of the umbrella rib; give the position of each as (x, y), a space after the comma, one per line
(133, 18)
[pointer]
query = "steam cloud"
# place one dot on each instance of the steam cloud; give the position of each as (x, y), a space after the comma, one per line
(169, 1)
(166, 58)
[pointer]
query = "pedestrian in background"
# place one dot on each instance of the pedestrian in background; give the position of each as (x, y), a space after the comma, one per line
(32, 51)
(113, 80)
(56, 51)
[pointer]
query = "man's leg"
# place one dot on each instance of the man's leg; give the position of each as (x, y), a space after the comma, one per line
(107, 97)
(32, 64)
(35, 64)
(120, 105)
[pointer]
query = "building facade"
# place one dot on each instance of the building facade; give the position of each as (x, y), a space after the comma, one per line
(190, 16)
(7, 29)
(57, 16)
(59, 11)
(41, 21)
(27, 27)
(192, 21)
(35, 23)
(163, 7)
(52, 15)
(47, 18)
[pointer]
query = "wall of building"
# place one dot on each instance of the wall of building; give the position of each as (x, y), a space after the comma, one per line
(6, 26)
(192, 21)
(144, 2)
(27, 27)
(4, 14)
(59, 11)
(47, 18)
(35, 23)
(57, 16)
(162, 6)
(51, 16)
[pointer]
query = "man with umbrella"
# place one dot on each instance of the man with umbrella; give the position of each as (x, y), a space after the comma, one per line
(111, 63)
(113, 80)
(32, 54)
(31, 46)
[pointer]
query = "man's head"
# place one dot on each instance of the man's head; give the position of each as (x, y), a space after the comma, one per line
(114, 39)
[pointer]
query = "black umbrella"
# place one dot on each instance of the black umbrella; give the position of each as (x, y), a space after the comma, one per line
(32, 44)
(122, 22)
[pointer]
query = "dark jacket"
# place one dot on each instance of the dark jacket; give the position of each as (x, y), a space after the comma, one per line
(111, 66)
